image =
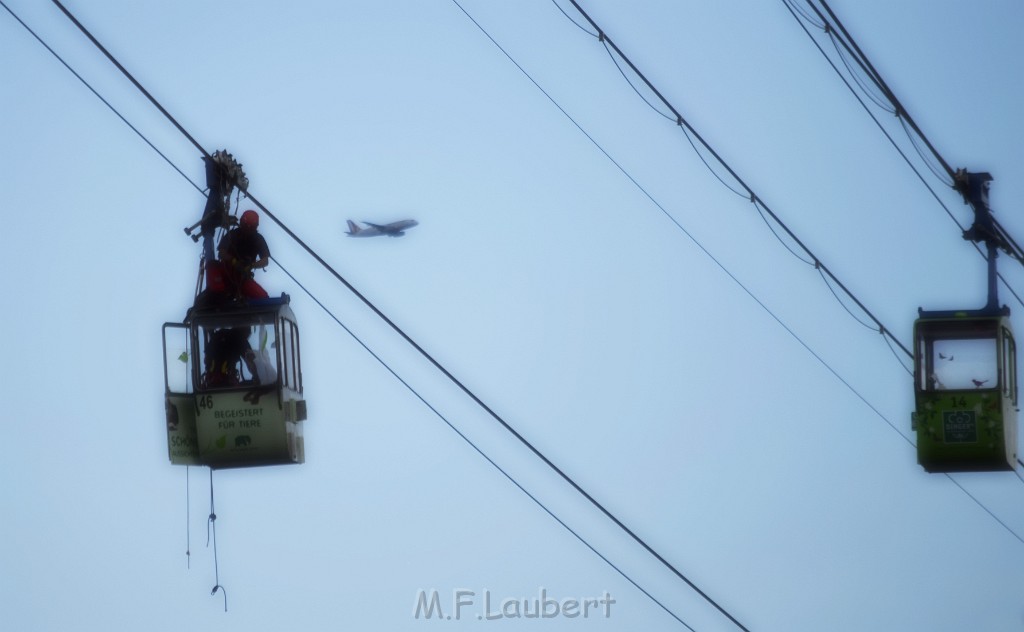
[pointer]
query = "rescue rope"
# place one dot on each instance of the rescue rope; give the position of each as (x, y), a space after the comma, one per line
(188, 520)
(211, 529)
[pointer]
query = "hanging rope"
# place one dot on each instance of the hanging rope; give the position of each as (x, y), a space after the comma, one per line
(188, 520)
(211, 535)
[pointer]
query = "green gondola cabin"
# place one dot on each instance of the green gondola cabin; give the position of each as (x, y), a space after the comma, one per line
(965, 391)
(233, 385)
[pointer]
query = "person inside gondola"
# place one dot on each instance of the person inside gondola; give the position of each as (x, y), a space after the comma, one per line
(242, 250)
(226, 348)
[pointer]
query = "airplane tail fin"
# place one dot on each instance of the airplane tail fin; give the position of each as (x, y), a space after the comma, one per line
(352, 228)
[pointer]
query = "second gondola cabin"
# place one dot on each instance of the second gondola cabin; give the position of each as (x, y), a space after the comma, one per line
(965, 391)
(233, 384)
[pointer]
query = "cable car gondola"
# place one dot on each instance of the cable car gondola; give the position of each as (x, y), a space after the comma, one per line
(233, 384)
(965, 391)
(965, 365)
(232, 370)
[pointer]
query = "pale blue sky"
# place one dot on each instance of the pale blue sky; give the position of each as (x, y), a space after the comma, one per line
(541, 277)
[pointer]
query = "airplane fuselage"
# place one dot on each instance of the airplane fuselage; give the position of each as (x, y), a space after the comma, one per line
(394, 229)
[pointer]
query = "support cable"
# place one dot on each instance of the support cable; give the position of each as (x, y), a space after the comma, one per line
(607, 41)
(796, 254)
(127, 74)
(928, 162)
(794, 10)
(899, 358)
(986, 509)
(880, 100)
(473, 445)
(807, 16)
(866, 64)
(839, 300)
(878, 123)
(615, 60)
(1008, 243)
(405, 336)
(571, 19)
(212, 526)
(887, 335)
(494, 415)
(99, 96)
(691, 237)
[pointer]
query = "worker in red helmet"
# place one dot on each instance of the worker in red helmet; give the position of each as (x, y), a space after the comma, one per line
(242, 250)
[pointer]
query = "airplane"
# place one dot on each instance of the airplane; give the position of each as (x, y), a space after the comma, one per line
(394, 229)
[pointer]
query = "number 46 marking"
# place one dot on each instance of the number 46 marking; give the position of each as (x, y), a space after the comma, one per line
(204, 401)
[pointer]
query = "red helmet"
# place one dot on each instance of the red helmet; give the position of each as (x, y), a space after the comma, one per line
(249, 219)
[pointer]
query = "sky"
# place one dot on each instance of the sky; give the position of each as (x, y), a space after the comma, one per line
(576, 266)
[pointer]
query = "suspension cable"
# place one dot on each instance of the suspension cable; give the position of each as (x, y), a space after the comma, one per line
(903, 116)
(473, 445)
(423, 352)
(127, 74)
(603, 37)
(862, 59)
(99, 96)
(682, 122)
(561, 473)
